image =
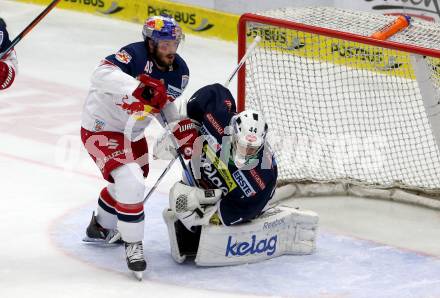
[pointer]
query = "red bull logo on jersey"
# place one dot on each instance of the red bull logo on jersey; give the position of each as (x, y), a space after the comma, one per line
(254, 246)
(137, 109)
(131, 108)
(123, 57)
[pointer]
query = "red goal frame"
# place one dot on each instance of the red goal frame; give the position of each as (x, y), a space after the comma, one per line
(249, 17)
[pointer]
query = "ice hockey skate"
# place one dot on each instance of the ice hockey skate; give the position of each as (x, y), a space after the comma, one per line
(134, 253)
(95, 233)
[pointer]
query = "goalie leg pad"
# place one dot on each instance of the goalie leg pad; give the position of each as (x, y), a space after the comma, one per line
(170, 219)
(278, 231)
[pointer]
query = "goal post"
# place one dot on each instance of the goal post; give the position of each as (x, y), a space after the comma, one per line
(348, 114)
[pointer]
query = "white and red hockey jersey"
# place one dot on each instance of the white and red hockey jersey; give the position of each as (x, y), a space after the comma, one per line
(110, 105)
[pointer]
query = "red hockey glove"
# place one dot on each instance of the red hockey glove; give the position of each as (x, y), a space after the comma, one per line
(151, 92)
(186, 133)
(7, 75)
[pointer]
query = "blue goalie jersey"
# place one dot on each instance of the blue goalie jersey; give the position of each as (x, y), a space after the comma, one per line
(5, 42)
(246, 190)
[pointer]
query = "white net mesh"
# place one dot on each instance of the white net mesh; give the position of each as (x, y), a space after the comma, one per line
(343, 111)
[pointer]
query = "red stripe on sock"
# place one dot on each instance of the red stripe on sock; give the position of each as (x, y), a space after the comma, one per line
(106, 197)
(129, 208)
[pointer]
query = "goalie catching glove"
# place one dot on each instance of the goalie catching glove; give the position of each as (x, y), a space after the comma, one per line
(151, 92)
(193, 206)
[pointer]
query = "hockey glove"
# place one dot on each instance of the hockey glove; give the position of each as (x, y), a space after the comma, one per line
(185, 132)
(193, 206)
(7, 75)
(151, 92)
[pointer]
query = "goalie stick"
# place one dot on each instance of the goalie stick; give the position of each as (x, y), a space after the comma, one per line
(30, 27)
(226, 84)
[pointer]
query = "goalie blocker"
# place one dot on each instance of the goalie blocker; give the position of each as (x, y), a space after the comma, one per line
(278, 231)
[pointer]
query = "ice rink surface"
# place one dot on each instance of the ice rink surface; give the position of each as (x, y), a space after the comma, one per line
(49, 187)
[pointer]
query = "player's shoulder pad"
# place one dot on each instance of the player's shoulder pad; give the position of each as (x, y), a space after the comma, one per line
(131, 53)
(136, 47)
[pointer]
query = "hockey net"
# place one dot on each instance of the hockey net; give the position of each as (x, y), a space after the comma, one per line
(347, 114)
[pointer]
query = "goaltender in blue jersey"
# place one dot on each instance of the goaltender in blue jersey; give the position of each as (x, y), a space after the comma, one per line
(230, 156)
(226, 220)
(234, 154)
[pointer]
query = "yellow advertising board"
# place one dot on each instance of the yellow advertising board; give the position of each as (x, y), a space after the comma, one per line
(333, 50)
(194, 20)
(210, 23)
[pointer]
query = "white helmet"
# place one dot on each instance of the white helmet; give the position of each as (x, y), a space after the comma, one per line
(249, 131)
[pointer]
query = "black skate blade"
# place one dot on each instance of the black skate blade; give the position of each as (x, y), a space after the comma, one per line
(99, 242)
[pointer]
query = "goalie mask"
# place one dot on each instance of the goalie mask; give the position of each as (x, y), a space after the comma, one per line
(249, 131)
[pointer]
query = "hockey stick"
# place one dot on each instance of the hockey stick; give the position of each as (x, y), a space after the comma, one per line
(170, 164)
(30, 27)
(243, 60)
(226, 84)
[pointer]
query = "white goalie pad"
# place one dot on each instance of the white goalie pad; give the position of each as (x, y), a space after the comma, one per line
(170, 219)
(278, 231)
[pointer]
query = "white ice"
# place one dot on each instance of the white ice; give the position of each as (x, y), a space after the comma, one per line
(49, 186)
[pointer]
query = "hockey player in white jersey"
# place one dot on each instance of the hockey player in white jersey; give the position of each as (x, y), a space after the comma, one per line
(128, 89)
(8, 64)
